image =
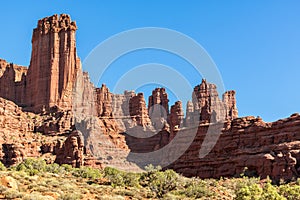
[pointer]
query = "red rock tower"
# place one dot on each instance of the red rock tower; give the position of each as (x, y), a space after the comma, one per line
(54, 64)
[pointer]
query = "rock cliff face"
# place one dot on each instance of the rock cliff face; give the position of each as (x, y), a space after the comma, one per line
(206, 101)
(176, 117)
(262, 149)
(66, 119)
(158, 107)
(12, 81)
(54, 64)
(138, 110)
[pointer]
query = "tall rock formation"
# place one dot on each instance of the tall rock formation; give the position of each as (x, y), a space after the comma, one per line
(158, 107)
(138, 110)
(176, 117)
(54, 64)
(212, 109)
(120, 107)
(104, 102)
(230, 104)
(12, 81)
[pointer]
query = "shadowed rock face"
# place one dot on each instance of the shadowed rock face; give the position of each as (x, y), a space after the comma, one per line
(86, 125)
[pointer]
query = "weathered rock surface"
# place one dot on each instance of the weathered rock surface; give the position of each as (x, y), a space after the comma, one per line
(263, 149)
(17, 140)
(158, 107)
(176, 117)
(73, 122)
(206, 101)
(54, 64)
(138, 110)
(12, 81)
(71, 151)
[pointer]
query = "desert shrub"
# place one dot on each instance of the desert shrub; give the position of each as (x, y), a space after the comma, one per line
(86, 172)
(55, 169)
(70, 196)
(121, 178)
(248, 189)
(32, 166)
(290, 192)
(196, 188)
(67, 168)
(12, 194)
(131, 179)
(152, 168)
(270, 192)
(160, 182)
(2, 167)
(116, 177)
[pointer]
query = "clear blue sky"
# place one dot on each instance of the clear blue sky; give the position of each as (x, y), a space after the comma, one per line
(254, 43)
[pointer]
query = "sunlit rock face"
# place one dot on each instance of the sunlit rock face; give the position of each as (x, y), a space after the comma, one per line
(86, 125)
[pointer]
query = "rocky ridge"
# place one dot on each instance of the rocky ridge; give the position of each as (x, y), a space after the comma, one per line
(81, 124)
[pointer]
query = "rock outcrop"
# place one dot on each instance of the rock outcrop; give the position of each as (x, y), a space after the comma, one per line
(17, 138)
(206, 101)
(12, 81)
(158, 107)
(71, 151)
(54, 64)
(52, 110)
(138, 110)
(176, 117)
(246, 145)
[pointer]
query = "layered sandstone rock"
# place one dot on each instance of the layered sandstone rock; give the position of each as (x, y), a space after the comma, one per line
(54, 123)
(230, 105)
(106, 129)
(158, 107)
(138, 110)
(120, 107)
(54, 67)
(176, 117)
(17, 138)
(104, 101)
(212, 109)
(72, 150)
(12, 81)
(54, 64)
(262, 149)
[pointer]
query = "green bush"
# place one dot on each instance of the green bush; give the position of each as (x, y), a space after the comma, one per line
(86, 172)
(248, 189)
(55, 169)
(132, 179)
(2, 167)
(32, 166)
(196, 188)
(152, 168)
(290, 192)
(67, 168)
(161, 182)
(116, 177)
(270, 192)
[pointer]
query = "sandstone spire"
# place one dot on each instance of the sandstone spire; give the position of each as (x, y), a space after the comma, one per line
(54, 63)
